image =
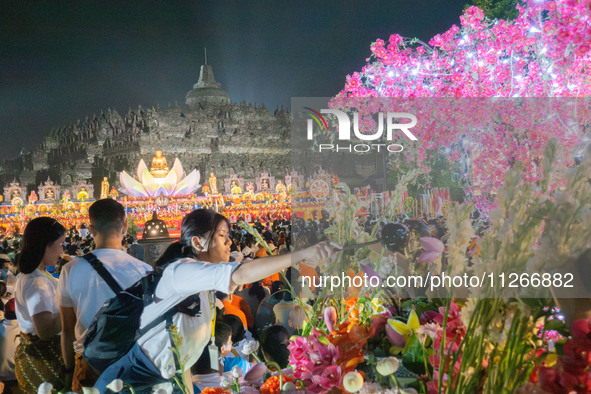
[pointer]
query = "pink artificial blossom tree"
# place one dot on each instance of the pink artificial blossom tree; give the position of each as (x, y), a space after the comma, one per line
(545, 52)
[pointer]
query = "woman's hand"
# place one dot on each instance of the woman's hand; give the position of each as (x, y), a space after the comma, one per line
(315, 256)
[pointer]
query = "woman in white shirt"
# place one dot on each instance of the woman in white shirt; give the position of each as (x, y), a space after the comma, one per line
(38, 357)
(192, 269)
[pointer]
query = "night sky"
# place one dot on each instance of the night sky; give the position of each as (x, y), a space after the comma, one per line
(62, 61)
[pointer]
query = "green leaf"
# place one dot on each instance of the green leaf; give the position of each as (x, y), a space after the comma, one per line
(413, 359)
(554, 325)
(418, 385)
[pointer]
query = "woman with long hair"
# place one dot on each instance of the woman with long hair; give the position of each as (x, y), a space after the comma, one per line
(192, 270)
(38, 357)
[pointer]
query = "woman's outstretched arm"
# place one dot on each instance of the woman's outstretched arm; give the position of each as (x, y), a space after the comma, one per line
(258, 269)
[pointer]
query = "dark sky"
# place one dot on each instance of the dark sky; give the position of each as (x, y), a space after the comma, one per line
(62, 61)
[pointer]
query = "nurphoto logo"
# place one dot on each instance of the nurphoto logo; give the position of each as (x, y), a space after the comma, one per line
(344, 130)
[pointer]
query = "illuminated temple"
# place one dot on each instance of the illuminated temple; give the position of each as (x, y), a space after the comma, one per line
(207, 133)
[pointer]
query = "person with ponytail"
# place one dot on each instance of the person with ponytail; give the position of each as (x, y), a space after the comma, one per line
(38, 356)
(193, 268)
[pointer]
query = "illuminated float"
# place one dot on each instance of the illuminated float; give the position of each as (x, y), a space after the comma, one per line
(159, 180)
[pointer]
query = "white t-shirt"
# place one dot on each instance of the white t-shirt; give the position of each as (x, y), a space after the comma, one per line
(34, 293)
(81, 287)
(179, 280)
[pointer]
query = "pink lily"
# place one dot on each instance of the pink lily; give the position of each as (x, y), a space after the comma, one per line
(433, 249)
(255, 373)
(330, 317)
(370, 272)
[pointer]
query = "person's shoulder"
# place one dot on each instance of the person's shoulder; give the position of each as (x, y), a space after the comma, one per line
(30, 276)
(116, 257)
(22, 279)
(171, 267)
(76, 263)
(35, 279)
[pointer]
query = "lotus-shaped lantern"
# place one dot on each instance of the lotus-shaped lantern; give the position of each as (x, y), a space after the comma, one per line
(174, 183)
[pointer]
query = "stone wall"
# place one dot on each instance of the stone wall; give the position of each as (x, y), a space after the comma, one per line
(223, 138)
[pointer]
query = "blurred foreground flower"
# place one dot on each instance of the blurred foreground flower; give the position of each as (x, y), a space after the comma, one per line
(255, 373)
(387, 366)
(330, 317)
(163, 388)
(433, 249)
(116, 385)
(352, 382)
(250, 346)
(45, 388)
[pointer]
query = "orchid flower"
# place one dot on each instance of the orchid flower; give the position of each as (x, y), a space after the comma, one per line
(433, 249)
(399, 332)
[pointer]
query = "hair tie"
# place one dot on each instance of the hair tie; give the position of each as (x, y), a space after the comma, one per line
(184, 250)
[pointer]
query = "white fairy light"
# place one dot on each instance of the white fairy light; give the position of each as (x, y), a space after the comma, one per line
(535, 29)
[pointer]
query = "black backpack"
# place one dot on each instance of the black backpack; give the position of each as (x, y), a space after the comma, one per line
(116, 326)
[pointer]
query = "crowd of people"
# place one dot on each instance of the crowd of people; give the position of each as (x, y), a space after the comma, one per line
(221, 288)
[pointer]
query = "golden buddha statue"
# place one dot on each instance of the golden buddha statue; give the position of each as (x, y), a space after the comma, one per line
(105, 188)
(159, 168)
(213, 183)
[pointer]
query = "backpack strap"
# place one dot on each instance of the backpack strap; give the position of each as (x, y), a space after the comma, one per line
(165, 317)
(103, 273)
